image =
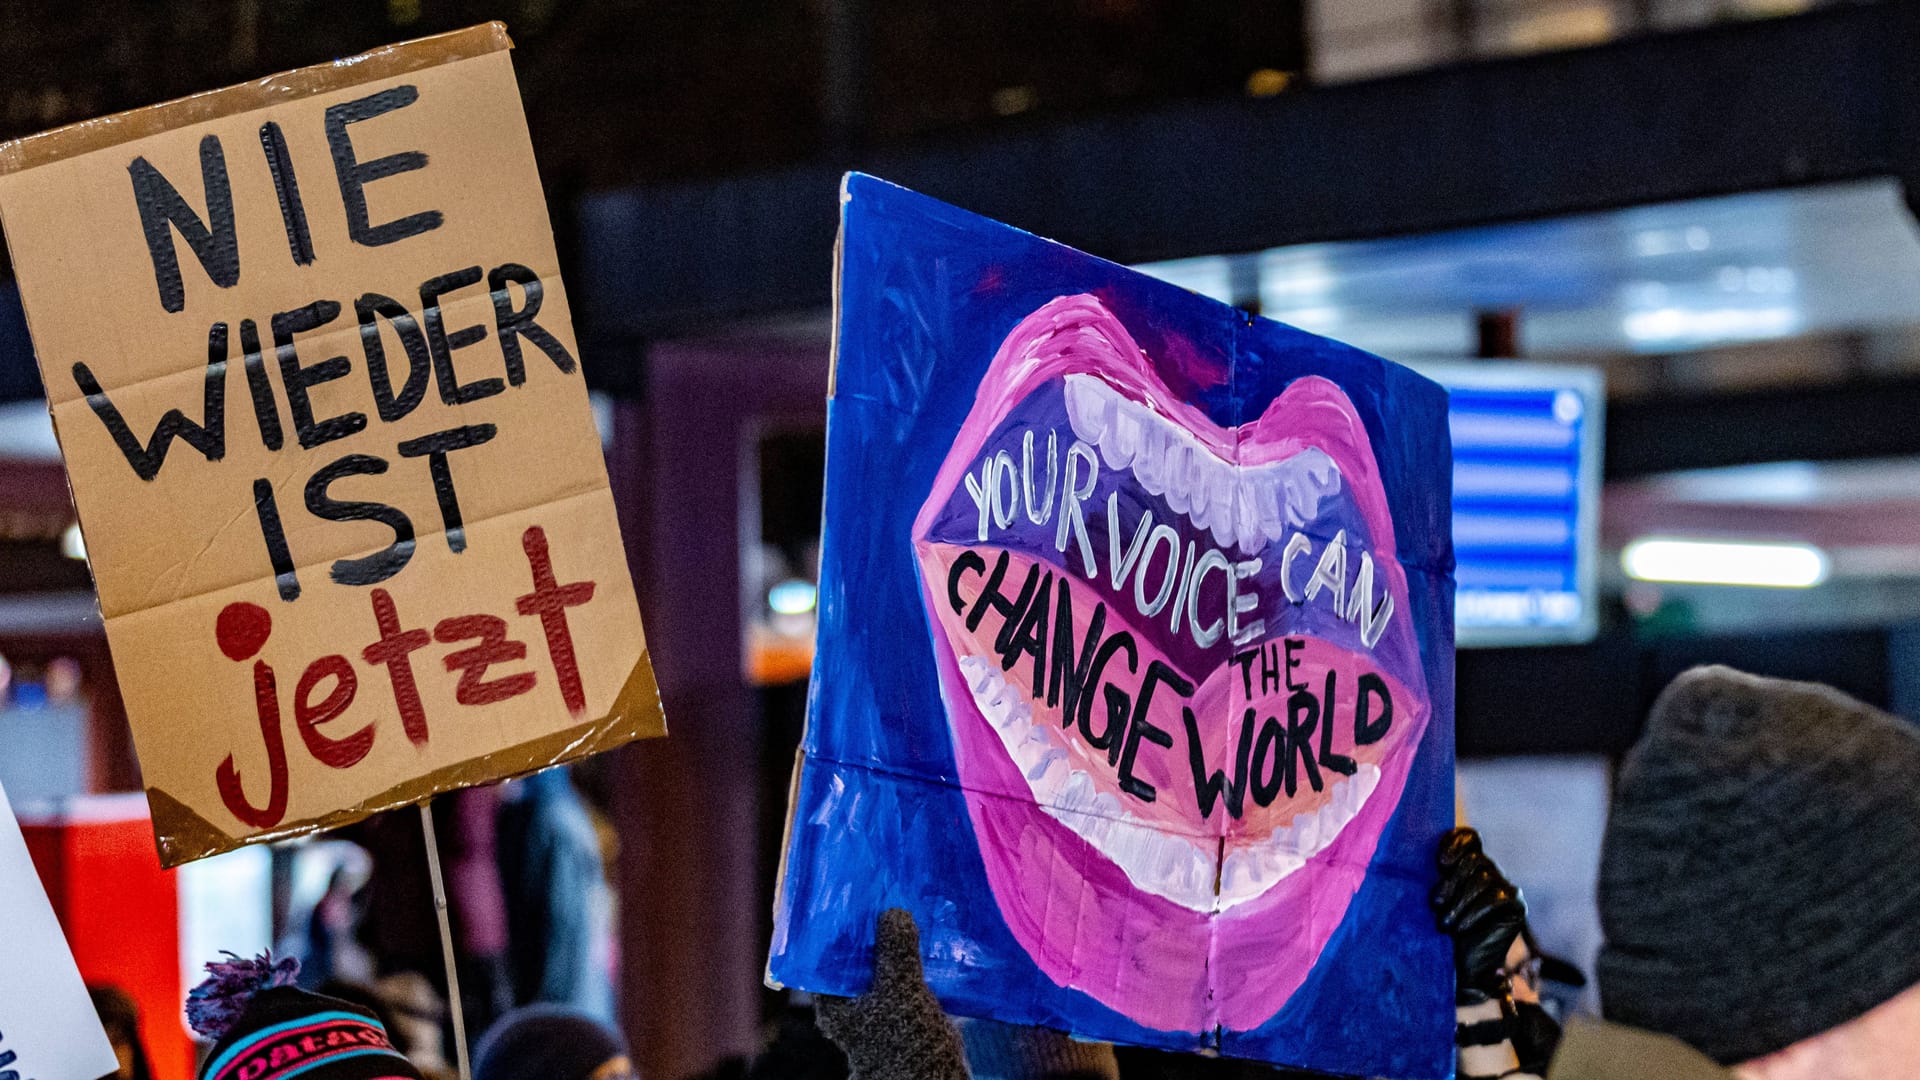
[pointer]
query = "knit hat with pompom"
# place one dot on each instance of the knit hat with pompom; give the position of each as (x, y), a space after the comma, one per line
(263, 1026)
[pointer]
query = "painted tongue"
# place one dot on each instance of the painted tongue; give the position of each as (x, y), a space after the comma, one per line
(1269, 753)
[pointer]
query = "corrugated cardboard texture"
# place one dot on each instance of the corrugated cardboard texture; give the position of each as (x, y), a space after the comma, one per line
(314, 613)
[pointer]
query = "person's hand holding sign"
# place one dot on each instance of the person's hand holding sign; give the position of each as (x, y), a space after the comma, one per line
(1480, 910)
(896, 1030)
(1502, 1030)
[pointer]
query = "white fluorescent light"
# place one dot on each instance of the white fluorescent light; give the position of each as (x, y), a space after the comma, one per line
(1706, 325)
(26, 432)
(793, 596)
(1209, 275)
(1719, 562)
(1320, 318)
(71, 544)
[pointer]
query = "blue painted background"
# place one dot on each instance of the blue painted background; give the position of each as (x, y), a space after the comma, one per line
(927, 293)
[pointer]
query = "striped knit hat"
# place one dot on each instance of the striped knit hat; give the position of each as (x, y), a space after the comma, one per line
(264, 1028)
(1758, 884)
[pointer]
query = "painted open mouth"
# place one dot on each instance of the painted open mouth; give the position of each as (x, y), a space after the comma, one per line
(1178, 667)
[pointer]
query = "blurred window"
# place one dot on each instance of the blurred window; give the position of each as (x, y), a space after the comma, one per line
(46, 740)
(1358, 39)
(1542, 819)
(781, 560)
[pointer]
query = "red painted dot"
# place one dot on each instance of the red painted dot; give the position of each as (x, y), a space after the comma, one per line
(242, 628)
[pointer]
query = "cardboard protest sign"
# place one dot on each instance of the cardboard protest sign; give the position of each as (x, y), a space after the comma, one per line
(48, 1028)
(1134, 679)
(311, 366)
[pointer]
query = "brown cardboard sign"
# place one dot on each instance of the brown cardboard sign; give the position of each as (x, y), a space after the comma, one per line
(313, 373)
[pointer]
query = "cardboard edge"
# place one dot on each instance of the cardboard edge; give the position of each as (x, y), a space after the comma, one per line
(800, 753)
(839, 263)
(104, 132)
(780, 875)
(181, 835)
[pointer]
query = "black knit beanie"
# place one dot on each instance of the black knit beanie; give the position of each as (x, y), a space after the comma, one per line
(545, 1042)
(1760, 881)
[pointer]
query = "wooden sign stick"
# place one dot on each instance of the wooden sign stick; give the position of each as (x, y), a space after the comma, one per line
(446, 941)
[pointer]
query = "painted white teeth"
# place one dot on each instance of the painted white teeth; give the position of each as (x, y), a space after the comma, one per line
(1123, 439)
(1179, 477)
(999, 702)
(1087, 409)
(1252, 501)
(1222, 492)
(1318, 478)
(1244, 508)
(1251, 869)
(1045, 765)
(1177, 868)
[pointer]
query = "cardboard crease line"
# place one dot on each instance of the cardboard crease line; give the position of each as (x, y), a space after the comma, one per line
(468, 526)
(182, 835)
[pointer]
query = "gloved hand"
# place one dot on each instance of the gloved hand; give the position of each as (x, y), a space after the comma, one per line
(896, 1030)
(1481, 911)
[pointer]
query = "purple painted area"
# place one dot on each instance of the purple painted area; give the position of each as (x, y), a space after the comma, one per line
(1152, 735)
(1058, 889)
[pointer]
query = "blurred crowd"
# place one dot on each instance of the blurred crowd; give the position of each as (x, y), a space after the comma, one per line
(1758, 891)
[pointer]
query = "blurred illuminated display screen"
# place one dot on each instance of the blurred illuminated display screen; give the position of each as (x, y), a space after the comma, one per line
(1526, 500)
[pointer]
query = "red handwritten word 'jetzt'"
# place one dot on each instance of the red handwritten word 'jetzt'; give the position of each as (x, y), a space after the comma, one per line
(242, 630)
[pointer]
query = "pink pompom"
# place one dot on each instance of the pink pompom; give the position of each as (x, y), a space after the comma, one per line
(216, 1004)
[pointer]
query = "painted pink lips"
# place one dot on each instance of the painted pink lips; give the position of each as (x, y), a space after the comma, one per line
(1178, 668)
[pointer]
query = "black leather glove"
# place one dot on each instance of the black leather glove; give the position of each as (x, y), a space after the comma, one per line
(1535, 1035)
(896, 1030)
(1481, 911)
